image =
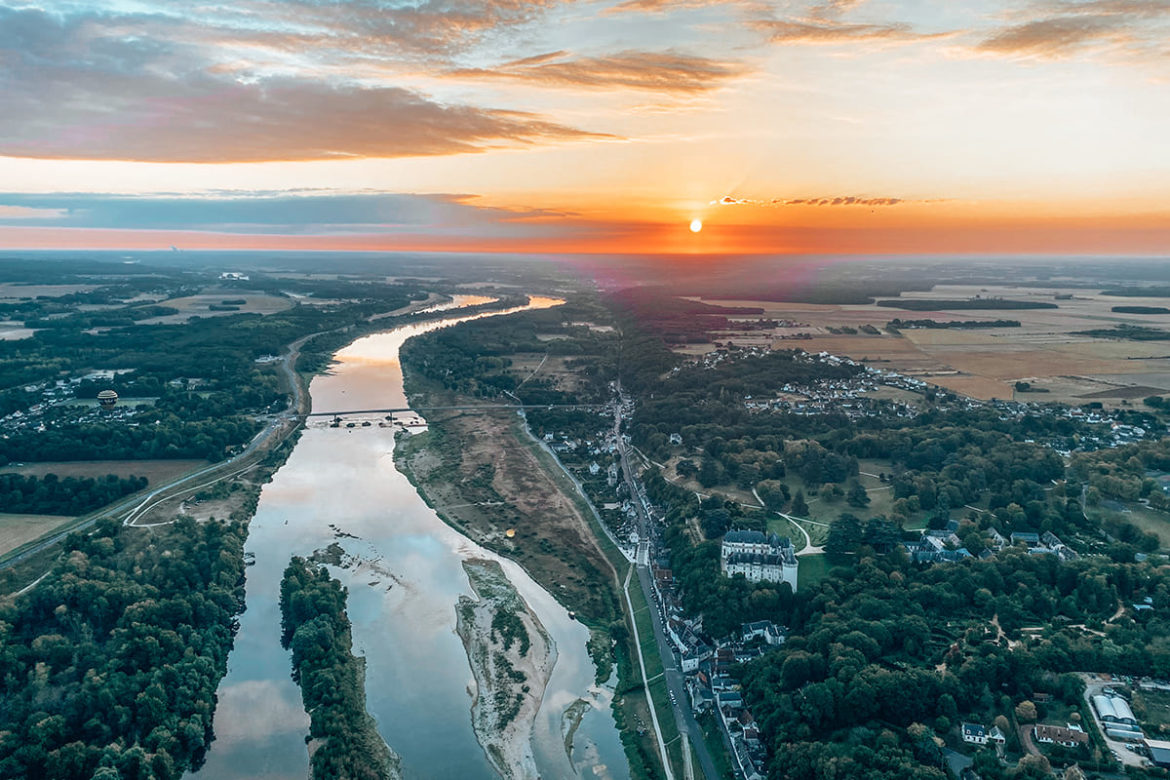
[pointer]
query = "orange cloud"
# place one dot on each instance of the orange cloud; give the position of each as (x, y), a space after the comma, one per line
(658, 71)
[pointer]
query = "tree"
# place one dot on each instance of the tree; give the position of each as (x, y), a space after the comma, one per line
(844, 534)
(799, 505)
(857, 495)
(710, 472)
(1026, 712)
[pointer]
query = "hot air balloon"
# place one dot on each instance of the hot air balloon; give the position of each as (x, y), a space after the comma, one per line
(107, 399)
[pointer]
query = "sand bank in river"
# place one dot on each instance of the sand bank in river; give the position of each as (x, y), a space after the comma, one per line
(512, 658)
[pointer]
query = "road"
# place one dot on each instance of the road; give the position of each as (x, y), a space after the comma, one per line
(675, 684)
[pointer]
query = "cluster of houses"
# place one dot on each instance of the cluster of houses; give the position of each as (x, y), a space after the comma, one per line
(58, 402)
(847, 397)
(944, 546)
(759, 557)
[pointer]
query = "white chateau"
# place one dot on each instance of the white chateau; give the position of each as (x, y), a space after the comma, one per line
(759, 557)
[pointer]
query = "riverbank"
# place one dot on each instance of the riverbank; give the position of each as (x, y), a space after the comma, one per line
(461, 467)
(512, 658)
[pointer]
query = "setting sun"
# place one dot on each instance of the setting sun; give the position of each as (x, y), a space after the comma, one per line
(696, 225)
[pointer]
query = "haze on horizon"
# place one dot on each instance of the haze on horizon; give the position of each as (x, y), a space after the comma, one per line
(784, 126)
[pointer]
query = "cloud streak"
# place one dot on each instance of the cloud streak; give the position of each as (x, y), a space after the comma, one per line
(838, 200)
(1059, 29)
(655, 71)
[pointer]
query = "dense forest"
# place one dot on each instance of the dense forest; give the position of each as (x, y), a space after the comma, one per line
(332, 679)
(170, 438)
(108, 668)
(51, 495)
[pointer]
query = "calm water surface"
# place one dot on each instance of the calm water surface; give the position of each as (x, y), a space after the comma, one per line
(405, 577)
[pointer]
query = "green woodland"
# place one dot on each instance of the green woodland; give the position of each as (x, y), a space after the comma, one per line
(332, 680)
(108, 668)
(51, 495)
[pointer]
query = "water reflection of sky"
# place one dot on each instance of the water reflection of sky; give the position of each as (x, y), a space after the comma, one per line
(402, 598)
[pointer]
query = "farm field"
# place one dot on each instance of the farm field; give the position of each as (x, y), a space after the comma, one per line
(10, 292)
(986, 363)
(155, 471)
(16, 530)
(200, 305)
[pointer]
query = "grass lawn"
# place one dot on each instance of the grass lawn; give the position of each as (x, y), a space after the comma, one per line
(645, 632)
(713, 736)
(661, 696)
(814, 568)
(1143, 517)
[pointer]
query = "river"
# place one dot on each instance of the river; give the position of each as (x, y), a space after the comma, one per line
(404, 579)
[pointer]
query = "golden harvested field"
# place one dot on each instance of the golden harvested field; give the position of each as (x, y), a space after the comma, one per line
(16, 530)
(986, 363)
(156, 471)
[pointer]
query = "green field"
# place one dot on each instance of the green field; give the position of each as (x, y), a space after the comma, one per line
(1146, 519)
(814, 568)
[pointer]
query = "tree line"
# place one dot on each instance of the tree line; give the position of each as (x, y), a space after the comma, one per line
(51, 495)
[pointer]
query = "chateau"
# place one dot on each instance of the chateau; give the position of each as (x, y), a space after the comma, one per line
(759, 557)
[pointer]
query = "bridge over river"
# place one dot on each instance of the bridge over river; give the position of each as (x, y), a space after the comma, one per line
(463, 408)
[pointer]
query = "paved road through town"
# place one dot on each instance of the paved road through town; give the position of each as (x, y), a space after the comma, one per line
(675, 684)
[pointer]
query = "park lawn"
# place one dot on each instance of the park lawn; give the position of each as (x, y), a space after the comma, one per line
(16, 530)
(660, 694)
(649, 644)
(1144, 518)
(814, 568)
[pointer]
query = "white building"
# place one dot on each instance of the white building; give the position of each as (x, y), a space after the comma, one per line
(759, 557)
(974, 734)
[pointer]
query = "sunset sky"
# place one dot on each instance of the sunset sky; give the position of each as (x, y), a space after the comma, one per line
(843, 126)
